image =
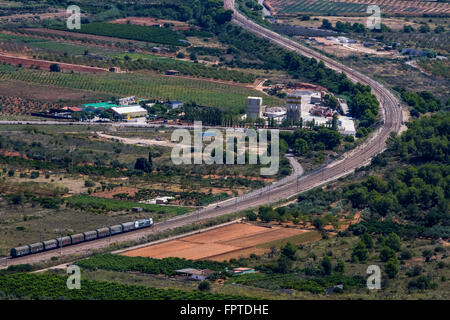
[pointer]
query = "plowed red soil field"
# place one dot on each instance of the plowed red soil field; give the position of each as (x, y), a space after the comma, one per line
(226, 242)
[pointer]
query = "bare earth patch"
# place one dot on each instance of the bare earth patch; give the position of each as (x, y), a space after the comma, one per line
(232, 241)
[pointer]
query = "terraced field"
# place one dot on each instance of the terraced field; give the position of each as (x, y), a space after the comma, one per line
(336, 7)
(145, 85)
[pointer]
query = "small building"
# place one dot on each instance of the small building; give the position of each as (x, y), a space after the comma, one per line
(343, 106)
(175, 104)
(346, 126)
(163, 200)
(128, 112)
(127, 101)
(240, 271)
(278, 114)
(115, 69)
(172, 72)
(337, 288)
(74, 109)
(343, 39)
(316, 97)
(413, 52)
(195, 274)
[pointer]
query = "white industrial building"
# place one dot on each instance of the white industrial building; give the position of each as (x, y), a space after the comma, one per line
(346, 126)
(255, 108)
(128, 112)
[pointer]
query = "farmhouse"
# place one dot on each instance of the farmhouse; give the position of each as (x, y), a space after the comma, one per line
(175, 104)
(195, 274)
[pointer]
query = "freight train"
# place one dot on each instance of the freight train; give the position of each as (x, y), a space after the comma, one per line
(80, 237)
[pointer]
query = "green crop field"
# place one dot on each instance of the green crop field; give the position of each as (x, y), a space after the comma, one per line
(149, 85)
(132, 32)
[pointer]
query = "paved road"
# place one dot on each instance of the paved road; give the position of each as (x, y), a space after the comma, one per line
(288, 187)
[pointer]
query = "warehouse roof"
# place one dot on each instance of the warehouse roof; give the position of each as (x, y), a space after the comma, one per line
(128, 109)
(105, 105)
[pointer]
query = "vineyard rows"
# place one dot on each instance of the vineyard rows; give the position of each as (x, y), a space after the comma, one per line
(132, 32)
(224, 96)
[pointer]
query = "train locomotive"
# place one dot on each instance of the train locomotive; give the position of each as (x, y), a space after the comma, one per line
(80, 237)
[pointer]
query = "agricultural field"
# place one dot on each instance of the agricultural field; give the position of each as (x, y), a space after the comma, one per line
(439, 68)
(219, 244)
(132, 32)
(146, 85)
(70, 54)
(342, 7)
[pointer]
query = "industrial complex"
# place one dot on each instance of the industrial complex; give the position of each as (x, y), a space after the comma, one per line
(302, 107)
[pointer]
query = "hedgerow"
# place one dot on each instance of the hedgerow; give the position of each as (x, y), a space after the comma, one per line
(165, 266)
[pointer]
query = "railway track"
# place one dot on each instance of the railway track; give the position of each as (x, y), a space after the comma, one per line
(391, 115)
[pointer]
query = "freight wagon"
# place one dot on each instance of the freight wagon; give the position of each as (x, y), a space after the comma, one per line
(80, 237)
(90, 235)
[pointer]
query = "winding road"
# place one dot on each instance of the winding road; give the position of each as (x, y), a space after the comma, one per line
(391, 114)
